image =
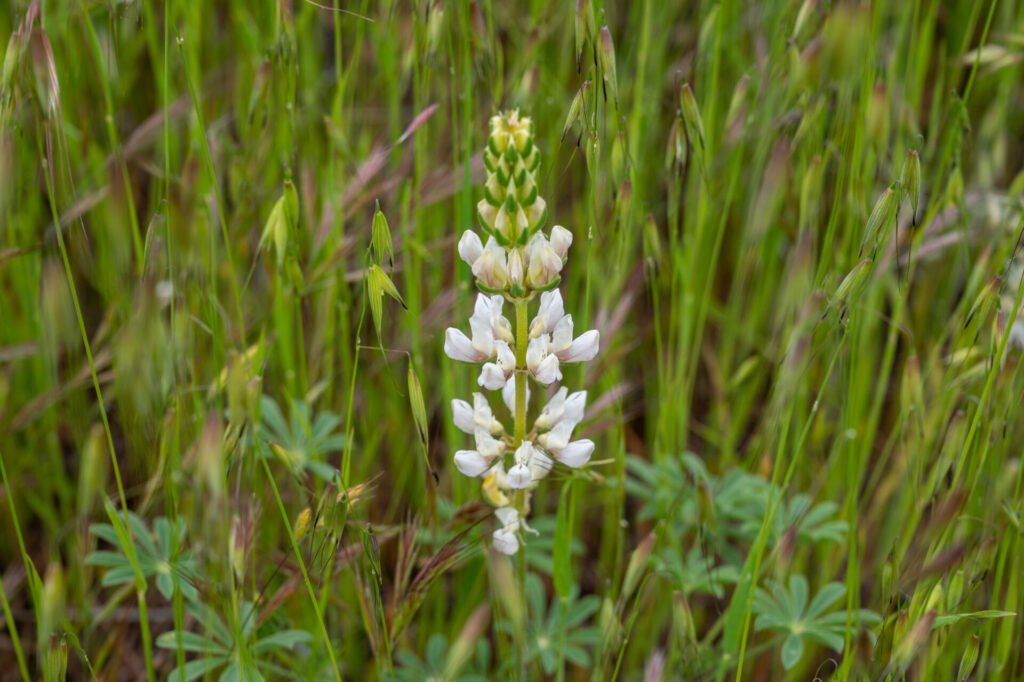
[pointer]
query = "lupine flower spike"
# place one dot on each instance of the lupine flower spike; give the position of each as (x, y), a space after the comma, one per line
(516, 262)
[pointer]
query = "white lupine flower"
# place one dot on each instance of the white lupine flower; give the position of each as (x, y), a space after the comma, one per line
(488, 309)
(470, 462)
(576, 453)
(494, 375)
(547, 371)
(540, 465)
(505, 539)
(470, 247)
(561, 239)
(467, 419)
(462, 415)
(581, 349)
(545, 264)
(520, 475)
(506, 358)
(516, 268)
(558, 437)
(542, 364)
(551, 310)
(491, 377)
(562, 406)
(490, 267)
(459, 347)
(487, 445)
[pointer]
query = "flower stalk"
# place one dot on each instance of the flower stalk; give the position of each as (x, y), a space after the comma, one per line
(518, 264)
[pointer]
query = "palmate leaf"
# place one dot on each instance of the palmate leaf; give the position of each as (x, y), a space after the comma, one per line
(786, 610)
(306, 440)
(218, 647)
(154, 552)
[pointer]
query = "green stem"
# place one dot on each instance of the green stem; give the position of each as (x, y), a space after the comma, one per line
(522, 499)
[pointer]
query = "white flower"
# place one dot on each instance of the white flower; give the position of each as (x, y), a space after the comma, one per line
(508, 394)
(470, 462)
(491, 377)
(487, 445)
(542, 364)
(505, 539)
(531, 465)
(545, 264)
(540, 465)
(462, 415)
(488, 309)
(467, 419)
(551, 310)
(470, 248)
(518, 476)
(516, 267)
(490, 267)
(576, 453)
(558, 437)
(581, 349)
(494, 375)
(458, 346)
(561, 239)
(562, 406)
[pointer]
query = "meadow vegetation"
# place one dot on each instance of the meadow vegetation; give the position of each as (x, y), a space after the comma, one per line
(230, 239)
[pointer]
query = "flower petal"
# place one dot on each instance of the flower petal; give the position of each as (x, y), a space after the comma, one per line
(470, 462)
(457, 346)
(576, 453)
(584, 348)
(470, 247)
(492, 377)
(463, 416)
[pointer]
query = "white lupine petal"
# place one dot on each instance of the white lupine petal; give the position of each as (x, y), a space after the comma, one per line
(506, 358)
(524, 452)
(470, 247)
(561, 239)
(458, 346)
(536, 210)
(547, 371)
(487, 445)
(536, 351)
(508, 394)
(491, 267)
(551, 310)
(518, 477)
(575, 407)
(483, 338)
(561, 337)
(509, 516)
(505, 541)
(540, 465)
(482, 415)
(576, 453)
(464, 416)
(482, 308)
(470, 462)
(584, 348)
(545, 265)
(558, 437)
(552, 412)
(492, 377)
(516, 268)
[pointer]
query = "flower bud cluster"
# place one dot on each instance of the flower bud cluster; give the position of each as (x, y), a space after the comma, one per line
(518, 264)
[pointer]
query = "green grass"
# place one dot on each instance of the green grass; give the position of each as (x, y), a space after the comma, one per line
(806, 410)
